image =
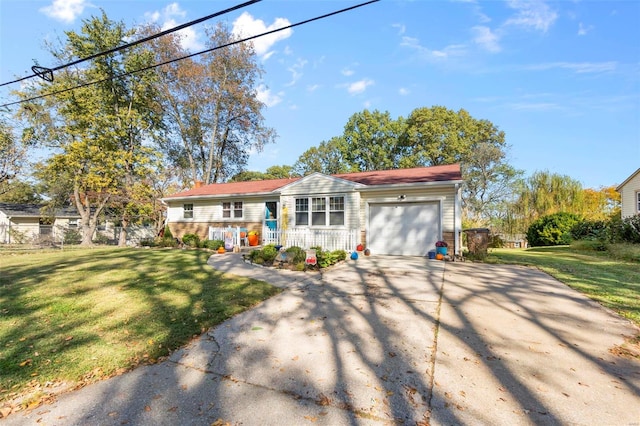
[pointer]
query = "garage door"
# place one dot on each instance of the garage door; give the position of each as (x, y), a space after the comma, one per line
(408, 229)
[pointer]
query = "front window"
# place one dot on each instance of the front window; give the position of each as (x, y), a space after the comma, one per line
(188, 211)
(232, 210)
(302, 211)
(336, 210)
(319, 212)
(73, 223)
(638, 202)
(325, 211)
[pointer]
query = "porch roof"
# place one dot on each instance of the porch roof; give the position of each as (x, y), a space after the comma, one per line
(446, 173)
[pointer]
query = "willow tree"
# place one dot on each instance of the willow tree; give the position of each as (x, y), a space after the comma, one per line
(95, 119)
(211, 112)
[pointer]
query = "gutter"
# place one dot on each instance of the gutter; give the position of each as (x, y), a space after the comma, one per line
(416, 185)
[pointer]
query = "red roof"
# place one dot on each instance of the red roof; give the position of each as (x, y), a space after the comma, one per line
(382, 177)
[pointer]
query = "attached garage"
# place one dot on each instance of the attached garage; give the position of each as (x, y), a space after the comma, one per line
(408, 229)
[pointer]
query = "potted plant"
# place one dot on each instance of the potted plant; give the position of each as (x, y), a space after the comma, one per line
(441, 247)
(253, 238)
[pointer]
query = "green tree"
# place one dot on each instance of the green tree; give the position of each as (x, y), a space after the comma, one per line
(370, 141)
(212, 117)
(12, 155)
(96, 131)
(326, 158)
(21, 192)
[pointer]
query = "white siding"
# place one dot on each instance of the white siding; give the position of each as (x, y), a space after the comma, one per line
(318, 184)
(211, 210)
(629, 196)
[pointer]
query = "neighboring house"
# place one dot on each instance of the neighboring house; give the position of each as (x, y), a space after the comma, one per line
(630, 195)
(401, 212)
(26, 223)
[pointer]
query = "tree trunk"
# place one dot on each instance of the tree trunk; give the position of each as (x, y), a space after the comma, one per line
(122, 240)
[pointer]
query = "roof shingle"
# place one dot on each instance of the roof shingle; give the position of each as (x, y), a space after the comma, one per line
(445, 173)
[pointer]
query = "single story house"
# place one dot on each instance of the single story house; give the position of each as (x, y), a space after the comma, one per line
(630, 195)
(395, 212)
(22, 223)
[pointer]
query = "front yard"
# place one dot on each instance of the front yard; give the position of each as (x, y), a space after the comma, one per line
(76, 316)
(612, 278)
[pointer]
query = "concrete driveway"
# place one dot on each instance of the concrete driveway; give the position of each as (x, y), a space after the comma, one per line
(384, 340)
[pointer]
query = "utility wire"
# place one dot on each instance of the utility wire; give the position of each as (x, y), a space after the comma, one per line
(47, 73)
(189, 56)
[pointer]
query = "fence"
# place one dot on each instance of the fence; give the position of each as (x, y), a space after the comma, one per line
(346, 240)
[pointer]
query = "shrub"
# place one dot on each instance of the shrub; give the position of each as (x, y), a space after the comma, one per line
(104, 240)
(72, 236)
(148, 242)
(552, 230)
(213, 244)
(167, 232)
(18, 237)
(626, 230)
(166, 242)
(591, 230)
(328, 258)
(191, 240)
(297, 254)
(269, 253)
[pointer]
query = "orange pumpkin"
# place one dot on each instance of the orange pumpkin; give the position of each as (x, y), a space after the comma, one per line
(439, 256)
(221, 250)
(359, 247)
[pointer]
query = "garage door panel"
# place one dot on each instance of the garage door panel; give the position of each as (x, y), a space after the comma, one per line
(403, 228)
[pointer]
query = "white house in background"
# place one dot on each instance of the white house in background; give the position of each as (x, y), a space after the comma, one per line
(27, 223)
(630, 195)
(396, 212)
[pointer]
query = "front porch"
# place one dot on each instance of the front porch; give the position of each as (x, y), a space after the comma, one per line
(305, 238)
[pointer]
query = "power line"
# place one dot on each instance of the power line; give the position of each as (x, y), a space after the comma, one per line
(189, 56)
(47, 73)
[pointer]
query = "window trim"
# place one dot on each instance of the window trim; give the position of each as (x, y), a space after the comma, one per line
(637, 202)
(187, 213)
(327, 202)
(232, 210)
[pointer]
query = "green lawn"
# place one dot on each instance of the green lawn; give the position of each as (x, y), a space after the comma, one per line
(603, 276)
(80, 315)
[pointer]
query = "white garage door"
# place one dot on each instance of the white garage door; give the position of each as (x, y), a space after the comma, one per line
(408, 229)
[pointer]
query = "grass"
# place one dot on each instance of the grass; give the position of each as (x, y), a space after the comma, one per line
(76, 316)
(610, 277)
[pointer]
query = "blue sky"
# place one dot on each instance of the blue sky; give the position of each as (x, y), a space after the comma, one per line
(562, 79)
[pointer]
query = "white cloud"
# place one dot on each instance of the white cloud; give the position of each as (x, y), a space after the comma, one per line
(489, 40)
(534, 14)
(453, 50)
(313, 88)
(265, 96)
(296, 71)
(247, 26)
(170, 17)
(64, 10)
(347, 72)
(401, 28)
(583, 30)
(403, 91)
(577, 67)
(359, 86)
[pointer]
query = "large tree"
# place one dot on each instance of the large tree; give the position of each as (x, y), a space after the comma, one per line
(12, 155)
(96, 131)
(325, 158)
(211, 112)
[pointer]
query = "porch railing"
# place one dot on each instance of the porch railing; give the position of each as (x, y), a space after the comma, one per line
(306, 238)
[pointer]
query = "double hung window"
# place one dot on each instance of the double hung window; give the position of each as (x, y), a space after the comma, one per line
(232, 210)
(325, 211)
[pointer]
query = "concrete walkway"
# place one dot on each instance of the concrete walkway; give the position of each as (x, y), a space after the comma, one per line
(384, 340)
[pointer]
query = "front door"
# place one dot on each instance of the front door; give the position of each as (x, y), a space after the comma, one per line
(271, 215)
